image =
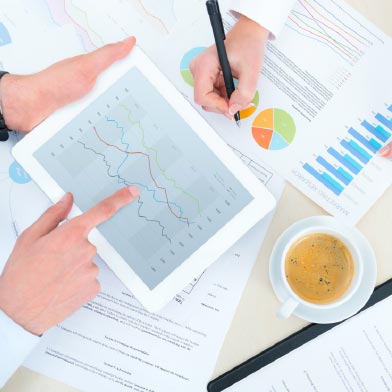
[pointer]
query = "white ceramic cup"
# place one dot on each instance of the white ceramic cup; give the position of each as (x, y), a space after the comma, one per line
(293, 300)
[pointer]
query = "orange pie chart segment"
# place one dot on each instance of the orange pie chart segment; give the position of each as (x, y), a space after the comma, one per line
(274, 129)
(265, 119)
(262, 136)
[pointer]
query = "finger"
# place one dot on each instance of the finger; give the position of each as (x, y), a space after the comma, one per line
(104, 210)
(245, 91)
(205, 94)
(104, 57)
(386, 152)
(213, 110)
(50, 219)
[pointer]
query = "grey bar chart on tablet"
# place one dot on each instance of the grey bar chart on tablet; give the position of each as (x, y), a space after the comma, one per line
(132, 136)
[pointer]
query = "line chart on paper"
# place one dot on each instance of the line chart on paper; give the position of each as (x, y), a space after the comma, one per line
(342, 36)
(128, 138)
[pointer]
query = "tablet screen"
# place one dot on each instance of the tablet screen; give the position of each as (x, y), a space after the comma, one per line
(132, 136)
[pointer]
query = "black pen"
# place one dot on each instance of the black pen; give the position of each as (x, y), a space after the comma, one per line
(220, 36)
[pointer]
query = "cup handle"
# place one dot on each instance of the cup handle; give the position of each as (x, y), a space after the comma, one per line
(287, 308)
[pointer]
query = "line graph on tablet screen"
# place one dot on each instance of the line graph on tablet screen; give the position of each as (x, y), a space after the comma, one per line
(132, 136)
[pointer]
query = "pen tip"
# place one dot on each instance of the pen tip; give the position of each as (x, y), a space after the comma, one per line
(238, 123)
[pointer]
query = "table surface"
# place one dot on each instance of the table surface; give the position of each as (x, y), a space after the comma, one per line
(255, 326)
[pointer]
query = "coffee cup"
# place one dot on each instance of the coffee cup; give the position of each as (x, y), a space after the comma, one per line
(293, 300)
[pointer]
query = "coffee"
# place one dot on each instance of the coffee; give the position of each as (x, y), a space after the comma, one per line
(319, 268)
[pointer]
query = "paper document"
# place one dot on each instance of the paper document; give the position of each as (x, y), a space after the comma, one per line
(113, 344)
(323, 107)
(354, 356)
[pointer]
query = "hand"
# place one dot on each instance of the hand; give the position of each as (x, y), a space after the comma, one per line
(50, 273)
(386, 152)
(245, 48)
(26, 100)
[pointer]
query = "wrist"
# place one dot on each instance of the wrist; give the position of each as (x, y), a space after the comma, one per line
(254, 29)
(17, 101)
(4, 130)
(12, 311)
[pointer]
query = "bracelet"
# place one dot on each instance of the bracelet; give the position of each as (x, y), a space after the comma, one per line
(4, 131)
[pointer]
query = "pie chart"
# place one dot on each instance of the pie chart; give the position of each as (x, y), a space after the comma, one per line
(273, 129)
(185, 64)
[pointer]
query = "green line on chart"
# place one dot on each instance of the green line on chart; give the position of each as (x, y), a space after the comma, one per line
(344, 47)
(163, 171)
(87, 21)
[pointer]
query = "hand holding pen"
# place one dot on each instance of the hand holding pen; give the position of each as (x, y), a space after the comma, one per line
(244, 45)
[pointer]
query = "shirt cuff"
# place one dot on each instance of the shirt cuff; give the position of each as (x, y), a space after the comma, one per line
(15, 345)
(271, 15)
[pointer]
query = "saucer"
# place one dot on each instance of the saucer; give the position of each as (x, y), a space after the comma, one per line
(359, 298)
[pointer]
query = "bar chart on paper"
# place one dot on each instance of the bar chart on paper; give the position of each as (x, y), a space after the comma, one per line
(338, 167)
(345, 174)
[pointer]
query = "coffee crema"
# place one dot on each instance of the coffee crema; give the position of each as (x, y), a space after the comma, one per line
(319, 268)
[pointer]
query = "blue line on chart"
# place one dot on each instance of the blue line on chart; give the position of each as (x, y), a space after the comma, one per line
(340, 21)
(359, 23)
(321, 42)
(58, 24)
(123, 181)
(51, 14)
(118, 126)
(138, 184)
(353, 49)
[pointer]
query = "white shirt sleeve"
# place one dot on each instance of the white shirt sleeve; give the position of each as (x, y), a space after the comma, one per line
(15, 345)
(271, 14)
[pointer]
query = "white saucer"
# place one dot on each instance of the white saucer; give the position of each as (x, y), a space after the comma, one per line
(359, 298)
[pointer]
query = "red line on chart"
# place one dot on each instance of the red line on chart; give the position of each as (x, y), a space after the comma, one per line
(149, 166)
(330, 21)
(159, 20)
(320, 36)
(329, 27)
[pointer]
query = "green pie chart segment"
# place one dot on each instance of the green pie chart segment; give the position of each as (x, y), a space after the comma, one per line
(273, 129)
(185, 64)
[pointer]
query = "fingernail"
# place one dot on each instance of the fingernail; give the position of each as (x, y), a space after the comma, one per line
(64, 198)
(229, 116)
(385, 150)
(134, 191)
(234, 109)
(128, 39)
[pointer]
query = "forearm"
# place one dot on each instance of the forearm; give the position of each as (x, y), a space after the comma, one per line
(267, 13)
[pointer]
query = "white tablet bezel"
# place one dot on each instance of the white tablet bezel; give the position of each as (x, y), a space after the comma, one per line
(263, 202)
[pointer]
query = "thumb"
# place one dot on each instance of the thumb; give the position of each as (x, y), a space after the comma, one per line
(50, 219)
(104, 57)
(245, 91)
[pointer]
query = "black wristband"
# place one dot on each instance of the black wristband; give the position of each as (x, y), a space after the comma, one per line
(4, 131)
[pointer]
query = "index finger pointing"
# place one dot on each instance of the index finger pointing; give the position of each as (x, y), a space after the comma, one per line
(107, 208)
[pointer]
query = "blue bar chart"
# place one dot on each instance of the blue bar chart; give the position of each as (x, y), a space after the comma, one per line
(339, 166)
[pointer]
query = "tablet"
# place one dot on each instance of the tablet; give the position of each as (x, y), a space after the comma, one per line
(197, 198)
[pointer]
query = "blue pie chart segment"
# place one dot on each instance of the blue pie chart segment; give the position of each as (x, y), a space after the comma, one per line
(5, 37)
(17, 174)
(277, 142)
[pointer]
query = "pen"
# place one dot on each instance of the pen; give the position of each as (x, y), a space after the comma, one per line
(220, 36)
